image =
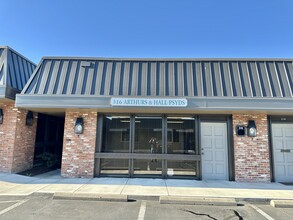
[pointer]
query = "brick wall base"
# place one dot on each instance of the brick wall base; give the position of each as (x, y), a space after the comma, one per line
(78, 157)
(17, 141)
(252, 160)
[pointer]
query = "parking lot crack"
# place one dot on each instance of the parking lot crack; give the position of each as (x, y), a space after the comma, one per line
(235, 213)
(201, 214)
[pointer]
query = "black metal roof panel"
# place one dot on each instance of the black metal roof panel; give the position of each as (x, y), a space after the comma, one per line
(249, 78)
(15, 71)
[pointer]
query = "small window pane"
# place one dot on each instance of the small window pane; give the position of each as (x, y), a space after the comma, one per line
(181, 135)
(147, 167)
(116, 134)
(148, 135)
(114, 166)
(182, 168)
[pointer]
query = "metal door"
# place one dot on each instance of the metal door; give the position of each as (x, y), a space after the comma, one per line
(214, 151)
(282, 136)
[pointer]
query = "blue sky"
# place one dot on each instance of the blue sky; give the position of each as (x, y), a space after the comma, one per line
(148, 28)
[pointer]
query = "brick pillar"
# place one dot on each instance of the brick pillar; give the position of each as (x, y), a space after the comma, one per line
(17, 143)
(252, 160)
(78, 157)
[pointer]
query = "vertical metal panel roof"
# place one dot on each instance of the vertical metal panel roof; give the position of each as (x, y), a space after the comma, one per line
(158, 77)
(15, 71)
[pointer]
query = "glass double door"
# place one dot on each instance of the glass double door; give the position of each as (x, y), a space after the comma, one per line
(148, 146)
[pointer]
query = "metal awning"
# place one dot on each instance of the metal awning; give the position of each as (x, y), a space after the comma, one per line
(15, 71)
(211, 84)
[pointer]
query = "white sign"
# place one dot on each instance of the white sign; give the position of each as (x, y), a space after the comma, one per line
(148, 102)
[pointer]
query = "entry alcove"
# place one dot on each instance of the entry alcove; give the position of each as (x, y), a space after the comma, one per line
(49, 141)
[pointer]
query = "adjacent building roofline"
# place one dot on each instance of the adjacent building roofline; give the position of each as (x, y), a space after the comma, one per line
(15, 70)
(11, 49)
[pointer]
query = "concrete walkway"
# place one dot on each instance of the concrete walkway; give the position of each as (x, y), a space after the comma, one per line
(52, 182)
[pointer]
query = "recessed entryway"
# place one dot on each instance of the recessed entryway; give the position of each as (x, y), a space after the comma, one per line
(49, 141)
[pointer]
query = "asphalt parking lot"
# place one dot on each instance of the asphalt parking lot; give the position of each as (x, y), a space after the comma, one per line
(46, 208)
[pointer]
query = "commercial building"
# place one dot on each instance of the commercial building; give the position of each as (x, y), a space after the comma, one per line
(222, 119)
(225, 119)
(16, 139)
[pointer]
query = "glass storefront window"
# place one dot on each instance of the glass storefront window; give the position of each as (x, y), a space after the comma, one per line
(114, 166)
(116, 134)
(148, 135)
(147, 167)
(181, 168)
(180, 135)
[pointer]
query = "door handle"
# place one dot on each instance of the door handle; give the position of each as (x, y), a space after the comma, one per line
(285, 150)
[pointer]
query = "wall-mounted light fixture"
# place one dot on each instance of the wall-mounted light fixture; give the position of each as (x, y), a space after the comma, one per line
(1, 116)
(251, 128)
(29, 118)
(78, 128)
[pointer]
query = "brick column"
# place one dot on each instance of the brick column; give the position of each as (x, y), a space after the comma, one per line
(252, 160)
(78, 157)
(17, 143)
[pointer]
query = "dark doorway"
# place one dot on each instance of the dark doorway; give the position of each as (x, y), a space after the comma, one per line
(49, 141)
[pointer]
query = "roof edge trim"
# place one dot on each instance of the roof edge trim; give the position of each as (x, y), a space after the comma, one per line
(22, 56)
(163, 59)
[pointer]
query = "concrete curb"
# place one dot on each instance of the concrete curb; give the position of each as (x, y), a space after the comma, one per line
(197, 201)
(282, 203)
(91, 197)
(42, 194)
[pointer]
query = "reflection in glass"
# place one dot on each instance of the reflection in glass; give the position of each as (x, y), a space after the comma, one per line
(116, 134)
(147, 167)
(181, 168)
(148, 135)
(114, 166)
(181, 135)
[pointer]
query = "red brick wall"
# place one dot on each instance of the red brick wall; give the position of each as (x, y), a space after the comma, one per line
(17, 141)
(78, 155)
(252, 161)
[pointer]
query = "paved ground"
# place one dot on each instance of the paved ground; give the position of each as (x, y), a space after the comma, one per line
(46, 208)
(24, 197)
(12, 184)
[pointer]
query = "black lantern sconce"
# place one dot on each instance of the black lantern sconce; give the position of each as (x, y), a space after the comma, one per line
(1, 116)
(29, 118)
(251, 128)
(78, 128)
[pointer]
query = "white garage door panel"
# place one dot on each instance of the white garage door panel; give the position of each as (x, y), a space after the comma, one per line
(282, 135)
(277, 132)
(279, 158)
(208, 169)
(214, 151)
(218, 131)
(219, 143)
(280, 170)
(279, 144)
(207, 142)
(209, 156)
(220, 156)
(220, 169)
(206, 131)
(289, 132)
